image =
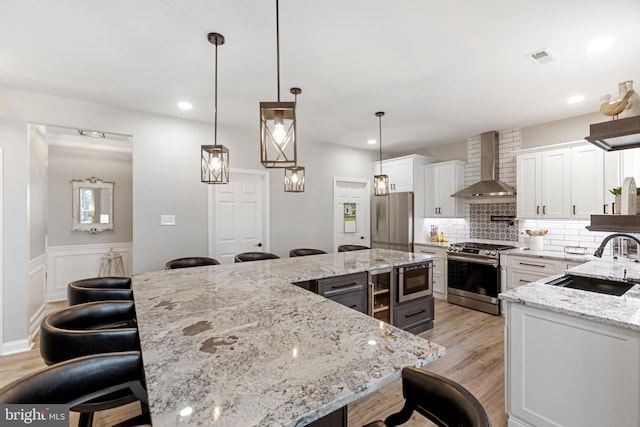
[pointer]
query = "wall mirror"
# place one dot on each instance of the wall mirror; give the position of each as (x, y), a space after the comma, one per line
(92, 205)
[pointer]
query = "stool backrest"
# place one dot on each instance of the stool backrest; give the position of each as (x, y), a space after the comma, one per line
(195, 261)
(254, 256)
(305, 252)
(349, 248)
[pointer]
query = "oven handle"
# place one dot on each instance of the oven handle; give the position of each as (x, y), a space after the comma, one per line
(491, 262)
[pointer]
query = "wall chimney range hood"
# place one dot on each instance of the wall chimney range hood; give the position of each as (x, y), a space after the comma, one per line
(613, 135)
(488, 186)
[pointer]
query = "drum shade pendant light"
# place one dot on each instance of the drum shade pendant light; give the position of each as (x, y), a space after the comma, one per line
(214, 163)
(294, 175)
(380, 182)
(277, 125)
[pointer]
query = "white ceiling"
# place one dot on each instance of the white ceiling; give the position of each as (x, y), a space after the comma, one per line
(442, 70)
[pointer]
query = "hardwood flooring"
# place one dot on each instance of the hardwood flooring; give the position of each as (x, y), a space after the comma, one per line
(475, 359)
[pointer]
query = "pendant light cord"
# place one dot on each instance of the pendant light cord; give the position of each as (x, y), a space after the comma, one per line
(278, 47)
(215, 104)
(380, 127)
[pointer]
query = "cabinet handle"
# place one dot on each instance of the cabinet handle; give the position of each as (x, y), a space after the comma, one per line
(346, 285)
(523, 281)
(544, 209)
(532, 265)
(353, 305)
(435, 211)
(416, 313)
(538, 210)
(604, 208)
(574, 209)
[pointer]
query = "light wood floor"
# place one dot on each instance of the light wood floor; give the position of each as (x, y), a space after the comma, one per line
(474, 358)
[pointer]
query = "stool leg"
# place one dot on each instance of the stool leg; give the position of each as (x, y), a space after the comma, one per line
(86, 419)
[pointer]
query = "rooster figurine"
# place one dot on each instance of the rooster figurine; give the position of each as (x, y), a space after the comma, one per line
(627, 99)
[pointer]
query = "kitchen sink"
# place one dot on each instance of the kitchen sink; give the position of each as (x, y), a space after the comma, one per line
(592, 284)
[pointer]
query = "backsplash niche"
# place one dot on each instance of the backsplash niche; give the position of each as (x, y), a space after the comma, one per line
(493, 221)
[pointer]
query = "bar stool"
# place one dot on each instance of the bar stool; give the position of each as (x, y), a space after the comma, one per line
(89, 328)
(195, 261)
(440, 400)
(254, 256)
(99, 289)
(305, 252)
(348, 248)
(81, 383)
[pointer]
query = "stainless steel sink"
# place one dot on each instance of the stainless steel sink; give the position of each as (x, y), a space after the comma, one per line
(591, 284)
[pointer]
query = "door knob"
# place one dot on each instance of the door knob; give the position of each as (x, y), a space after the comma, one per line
(259, 244)
(361, 237)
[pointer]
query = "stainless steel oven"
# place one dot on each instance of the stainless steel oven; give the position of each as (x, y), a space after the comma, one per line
(414, 281)
(473, 275)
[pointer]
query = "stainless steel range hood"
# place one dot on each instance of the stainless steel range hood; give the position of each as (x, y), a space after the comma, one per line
(613, 135)
(488, 186)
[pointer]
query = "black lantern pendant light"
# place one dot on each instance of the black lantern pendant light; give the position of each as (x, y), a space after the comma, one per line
(294, 175)
(214, 164)
(277, 125)
(380, 182)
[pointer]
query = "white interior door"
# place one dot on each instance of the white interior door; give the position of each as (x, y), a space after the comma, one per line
(348, 230)
(239, 215)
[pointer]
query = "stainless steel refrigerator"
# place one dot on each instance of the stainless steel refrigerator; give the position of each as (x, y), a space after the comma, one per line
(392, 221)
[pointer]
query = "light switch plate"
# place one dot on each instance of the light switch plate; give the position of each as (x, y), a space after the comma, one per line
(167, 220)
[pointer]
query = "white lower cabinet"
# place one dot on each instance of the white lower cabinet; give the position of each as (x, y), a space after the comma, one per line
(519, 270)
(439, 255)
(566, 371)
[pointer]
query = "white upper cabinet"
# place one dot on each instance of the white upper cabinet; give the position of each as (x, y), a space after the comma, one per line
(543, 184)
(569, 182)
(441, 180)
(406, 173)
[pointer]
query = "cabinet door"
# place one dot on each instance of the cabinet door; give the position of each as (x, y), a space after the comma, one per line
(587, 185)
(529, 186)
(449, 179)
(556, 187)
(403, 175)
(430, 192)
(612, 178)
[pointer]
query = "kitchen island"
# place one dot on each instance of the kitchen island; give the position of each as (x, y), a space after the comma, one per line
(239, 345)
(573, 356)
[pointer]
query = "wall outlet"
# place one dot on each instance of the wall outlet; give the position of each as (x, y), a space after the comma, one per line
(167, 220)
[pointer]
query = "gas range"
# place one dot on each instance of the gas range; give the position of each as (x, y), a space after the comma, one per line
(480, 250)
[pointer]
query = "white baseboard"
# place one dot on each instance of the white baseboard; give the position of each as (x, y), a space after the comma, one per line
(13, 347)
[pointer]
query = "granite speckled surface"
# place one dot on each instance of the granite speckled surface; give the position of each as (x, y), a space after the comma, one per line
(557, 255)
(238, 345)
(622, 311)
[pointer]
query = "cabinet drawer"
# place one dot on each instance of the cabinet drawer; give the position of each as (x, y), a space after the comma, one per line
(534, 265)
(413, 314)
(342, 284)
(354, 300)
(438, 260)
(519, 278)
(438, 283)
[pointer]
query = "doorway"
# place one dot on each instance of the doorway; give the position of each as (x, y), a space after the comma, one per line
(239, 215)
(351, 216)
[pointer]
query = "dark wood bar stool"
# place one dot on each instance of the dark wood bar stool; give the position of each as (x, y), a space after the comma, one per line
(305, 252)
(196, 261)
(440, 400)
(99, 289)
(254, 256)
(349, 248)
(84, 384)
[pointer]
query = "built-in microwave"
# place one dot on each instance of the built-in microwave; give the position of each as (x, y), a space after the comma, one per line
(414, 281)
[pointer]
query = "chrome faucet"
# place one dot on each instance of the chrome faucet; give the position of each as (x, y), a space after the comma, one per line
(600, 249)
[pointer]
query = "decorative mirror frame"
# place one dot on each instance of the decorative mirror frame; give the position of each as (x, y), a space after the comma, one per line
(93, 182)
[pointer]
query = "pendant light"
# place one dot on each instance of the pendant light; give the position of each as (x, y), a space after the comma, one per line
(380, 182)
(214, 163)
(294, 175)
(277, 125)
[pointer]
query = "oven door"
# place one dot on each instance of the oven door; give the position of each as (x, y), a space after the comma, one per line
(473, 282)
(414, 281)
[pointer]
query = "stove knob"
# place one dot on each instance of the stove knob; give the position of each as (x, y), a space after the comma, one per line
(494, 253)
(487, 252)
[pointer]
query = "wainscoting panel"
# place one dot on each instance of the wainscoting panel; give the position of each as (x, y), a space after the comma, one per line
(37, 292)
(68, 263)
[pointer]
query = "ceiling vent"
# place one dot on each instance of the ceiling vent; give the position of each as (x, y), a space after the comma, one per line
(542, 56)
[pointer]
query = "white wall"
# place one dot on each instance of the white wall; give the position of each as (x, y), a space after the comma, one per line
(166, 167)
(37, 191)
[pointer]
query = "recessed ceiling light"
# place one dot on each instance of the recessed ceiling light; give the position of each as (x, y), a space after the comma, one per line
(599, 45)
(184, 105)
(371, 141)
(575, 99)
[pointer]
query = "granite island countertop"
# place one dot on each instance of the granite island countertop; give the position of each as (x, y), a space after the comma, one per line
(237, 344)
(622, 311)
